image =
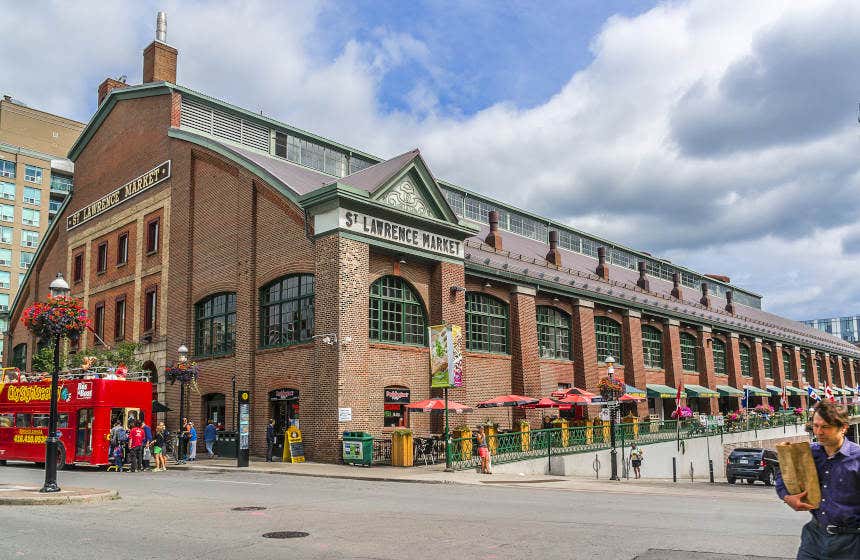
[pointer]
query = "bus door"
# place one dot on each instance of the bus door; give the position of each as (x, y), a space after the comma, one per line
(84, 435)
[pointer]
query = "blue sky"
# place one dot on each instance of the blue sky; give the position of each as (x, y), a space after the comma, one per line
(720, 135)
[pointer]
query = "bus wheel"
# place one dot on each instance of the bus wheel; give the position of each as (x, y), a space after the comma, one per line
(2, 462)
(61, 458)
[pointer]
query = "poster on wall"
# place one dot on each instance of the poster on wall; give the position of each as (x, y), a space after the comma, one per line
(446, 356)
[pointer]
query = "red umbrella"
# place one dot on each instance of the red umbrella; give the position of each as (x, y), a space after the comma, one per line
(576, 399)
(437, 405)
(507, 400)
(630, 398)
(549, 403)
(573, 391)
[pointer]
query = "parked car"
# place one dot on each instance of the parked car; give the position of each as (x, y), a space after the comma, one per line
(751, 464)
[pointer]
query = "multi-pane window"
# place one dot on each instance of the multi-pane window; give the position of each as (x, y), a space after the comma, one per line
(26, 259)
(54, 206)
(287, 311)
(21, 276)
(29, 238)
(78, 269)
(608, 335)
(150, 309)
(33, 174)
(6, 257)
(310, 154)
(7, 169)
(689, 355)
(4, 324)
(122, 249)
(32, 195)
(652, 347)
(786, 365)
(396, 313)
(4, 302)
(119, 319)
(745, 360)
(7, 212)
(152, 231)
(486, 323)
(99, 322)
(19, 356)
(215, 331)
(553, 328)
(767, 361)
(7, 190)
(5, 279)
(61, 183)
(719, 350)
(30, 217)
(6, 234)
(102, 257)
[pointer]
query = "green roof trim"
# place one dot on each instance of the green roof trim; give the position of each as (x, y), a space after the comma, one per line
(727, 391)
(657, 391)
(633, 391)
(792, 390)
(757, 392)
(700, 392)
(789, 390)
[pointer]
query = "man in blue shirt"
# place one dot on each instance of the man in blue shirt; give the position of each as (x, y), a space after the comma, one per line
(210, 434)
(834, 531)
(192, 442)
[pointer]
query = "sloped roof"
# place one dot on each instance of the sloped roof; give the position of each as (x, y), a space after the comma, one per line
(369, 178)
(297, 178)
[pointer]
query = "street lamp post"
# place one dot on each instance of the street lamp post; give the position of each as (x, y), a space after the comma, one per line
(612, 404)
(59, 287)
(183, 358)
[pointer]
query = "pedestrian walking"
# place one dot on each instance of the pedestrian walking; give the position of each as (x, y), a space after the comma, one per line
(636, 457)
(135, 442)
(483, 451)
(210, 434)
(158, 448)
(147, 442)
(116, 434)
(192, 442)
(834, 531)
(117, 457)
(270, 440)
(183, 440)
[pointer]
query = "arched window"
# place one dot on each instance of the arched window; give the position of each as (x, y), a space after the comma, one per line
(19, 356)
(486, 323)
(689, 356)
(652, 347)
(553, 327)
(215, 325)
(608, 336)
(287, 311)
(786, 365)
(768, 364)
(719, 350)
(396, 313)
(745, 360)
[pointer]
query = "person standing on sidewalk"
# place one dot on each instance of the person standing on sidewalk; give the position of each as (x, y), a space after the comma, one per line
(270, 440)
(483, 451)
(834, 531)
(210, 434)
(135, 443)
(158, 448)
(147, 441)
(192, 442)
(636, 456)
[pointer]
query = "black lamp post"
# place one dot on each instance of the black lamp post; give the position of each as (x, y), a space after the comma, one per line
(183, 357)
(612, 404)
(59, 287)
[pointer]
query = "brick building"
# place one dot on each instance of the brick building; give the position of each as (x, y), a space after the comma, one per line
(307, 272)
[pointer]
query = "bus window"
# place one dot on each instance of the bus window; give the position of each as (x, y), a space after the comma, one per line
(63, 420)
(116, 414)
(41, 420)
(23, 420)
(84, 440)
(131, 416)
(7, 420)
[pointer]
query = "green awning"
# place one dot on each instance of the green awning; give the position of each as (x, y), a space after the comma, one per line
(837, 392)
(726, 391)
(756, 392)
(633, 391)
(656, 391)
(774, 390)
(792, 390)
(848, 391)
(700, 392)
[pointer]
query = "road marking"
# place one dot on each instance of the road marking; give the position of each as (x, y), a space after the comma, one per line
(235, 482)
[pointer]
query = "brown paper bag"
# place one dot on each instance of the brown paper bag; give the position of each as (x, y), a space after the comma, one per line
(798, 471)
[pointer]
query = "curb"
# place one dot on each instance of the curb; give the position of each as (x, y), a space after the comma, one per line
(316, 475)
(33, 498)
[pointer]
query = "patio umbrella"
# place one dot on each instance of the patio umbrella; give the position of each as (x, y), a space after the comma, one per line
(630, 398)
(507, 400)
(549, 403)
(573, 391)
(437, 405)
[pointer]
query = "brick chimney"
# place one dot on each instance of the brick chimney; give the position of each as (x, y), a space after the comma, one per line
(730, 307)
(643, 278)
(602, 270)
(706, 300)
(159, 58)
(677, 292)
(554, 255)
(494, 238)
(108, 86)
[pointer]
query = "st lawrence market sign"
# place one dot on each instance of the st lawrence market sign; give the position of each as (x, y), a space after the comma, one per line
(120, 195)
(400, 234)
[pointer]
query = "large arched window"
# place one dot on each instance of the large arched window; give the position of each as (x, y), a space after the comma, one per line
(19, 356)
(767, 360)
(719, 350)
(786, 365)
(287, 311)
(608, 336)
(215, 325)
(745, 360)
(486, 323)
(553, 328)
(689, 356)
(396, 313)
(652, 346)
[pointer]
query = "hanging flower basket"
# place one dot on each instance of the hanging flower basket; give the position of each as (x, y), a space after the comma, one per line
(610, 389)
(58, 316)
(682, 413)
(184, 372)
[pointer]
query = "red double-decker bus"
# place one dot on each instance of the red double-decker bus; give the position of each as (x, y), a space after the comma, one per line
(88, 404)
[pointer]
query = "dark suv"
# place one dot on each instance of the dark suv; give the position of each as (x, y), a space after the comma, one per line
(751, 464)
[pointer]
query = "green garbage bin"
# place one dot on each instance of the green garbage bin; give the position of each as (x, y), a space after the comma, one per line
(225, 444)
(357, 448)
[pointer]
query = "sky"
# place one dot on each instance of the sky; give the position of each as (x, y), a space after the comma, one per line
(721, 135)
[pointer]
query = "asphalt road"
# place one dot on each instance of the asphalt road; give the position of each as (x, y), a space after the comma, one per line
(190, 515)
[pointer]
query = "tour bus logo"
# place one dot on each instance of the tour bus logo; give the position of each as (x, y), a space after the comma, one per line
(26, 393)
(85, 390)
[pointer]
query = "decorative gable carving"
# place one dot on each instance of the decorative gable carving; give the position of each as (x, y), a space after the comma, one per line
(405, 196)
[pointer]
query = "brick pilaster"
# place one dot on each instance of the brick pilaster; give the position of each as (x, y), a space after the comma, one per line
(840, 372)
(757, 368)
(801, 380)
(634, 362)
(584, 344)
(827, 375)
(525, 364)
(706, 367)
(779, 373)
(812, 373)
(672, 352)
(852, 374)
(733, 361)
(447, 305)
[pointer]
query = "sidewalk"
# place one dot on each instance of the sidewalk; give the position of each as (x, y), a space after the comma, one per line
(19, 495)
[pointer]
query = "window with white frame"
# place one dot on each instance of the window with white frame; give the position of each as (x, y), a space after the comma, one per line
(26, 259)
(32, 195)
(29, 238)
(5, 279)
(6, 257)
(7, 191)
(4, 302)
(33, 174)
(6, 234)
(7, 213)
(7, 169)
(30, 217)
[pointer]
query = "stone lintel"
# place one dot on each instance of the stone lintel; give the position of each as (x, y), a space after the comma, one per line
(632, 313)
(583, 303)
(705, 328)
(672, 322)
(524, 290)
(757, 340)
(734, 335)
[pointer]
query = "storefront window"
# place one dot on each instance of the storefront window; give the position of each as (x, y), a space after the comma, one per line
(608, 335)
(689, 359)
(652, 347)
(553, 333)
(395, 401)
(486, 323)
(396, 313)
(216, 325)
(287, 311)
(745, 360)
(719, 351)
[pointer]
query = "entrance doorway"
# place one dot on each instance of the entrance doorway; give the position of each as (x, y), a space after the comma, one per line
(285, 412)
(214, 409)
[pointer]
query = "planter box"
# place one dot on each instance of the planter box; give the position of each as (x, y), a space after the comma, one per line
(565, 432)
(401, 450)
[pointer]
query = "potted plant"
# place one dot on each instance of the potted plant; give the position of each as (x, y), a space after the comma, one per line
(401, 448)
(610, 388)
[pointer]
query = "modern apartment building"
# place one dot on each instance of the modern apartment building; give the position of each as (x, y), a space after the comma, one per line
(845, 328)
(35, 178)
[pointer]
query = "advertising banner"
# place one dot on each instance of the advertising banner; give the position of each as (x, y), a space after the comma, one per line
(446, 356)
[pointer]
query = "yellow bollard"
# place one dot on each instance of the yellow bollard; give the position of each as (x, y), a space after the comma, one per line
(401, 448)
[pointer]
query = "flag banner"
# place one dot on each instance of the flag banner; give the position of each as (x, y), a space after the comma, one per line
(678, 395)
(784, 399)
(745, 400)
(446, 356)
(828, 393)
(812, 394)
